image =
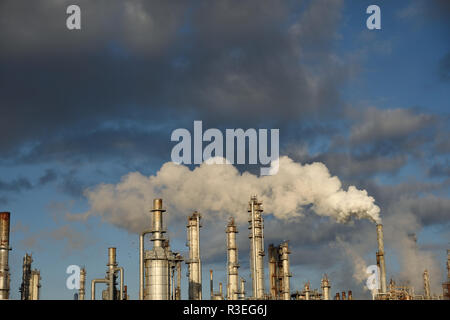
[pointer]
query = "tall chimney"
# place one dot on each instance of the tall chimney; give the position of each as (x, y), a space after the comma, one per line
(4, 254)
(233, 265)
(380, 258)
(194, 262)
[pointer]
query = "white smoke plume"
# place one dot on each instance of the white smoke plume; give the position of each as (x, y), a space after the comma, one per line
(219, 191)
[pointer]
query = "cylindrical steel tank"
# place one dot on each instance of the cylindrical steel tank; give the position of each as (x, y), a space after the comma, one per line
(4, 253)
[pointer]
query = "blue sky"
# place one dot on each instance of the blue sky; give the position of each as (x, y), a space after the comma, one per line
(84, 108)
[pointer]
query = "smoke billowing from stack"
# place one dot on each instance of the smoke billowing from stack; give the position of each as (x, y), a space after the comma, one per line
(233, 262)
(4, 255)
(194, 262)
(380, 258)
(256, 227)
(286, 194)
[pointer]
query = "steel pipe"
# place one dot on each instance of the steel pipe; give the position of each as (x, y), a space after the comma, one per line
(93, 282)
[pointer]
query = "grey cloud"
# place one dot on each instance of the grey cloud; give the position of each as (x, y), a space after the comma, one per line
(224, 62)
(390, 124)
(16, 185)
(49, 176)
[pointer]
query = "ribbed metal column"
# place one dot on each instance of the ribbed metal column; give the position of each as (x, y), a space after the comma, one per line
(233, 264)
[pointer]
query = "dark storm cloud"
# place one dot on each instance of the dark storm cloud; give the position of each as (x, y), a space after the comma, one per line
(49, 176)
(149, 63)
(16, 185)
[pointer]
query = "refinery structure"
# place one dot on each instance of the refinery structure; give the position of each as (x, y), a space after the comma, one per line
(160, 268)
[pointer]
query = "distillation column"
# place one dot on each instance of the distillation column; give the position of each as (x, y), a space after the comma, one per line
(286, 274)
(325, 284)
(194, 262)
(233, 265)
(256, 227)
(426, 284)
(273, 273)
(26, 277)
(35, 285)
(82, 290)
(380, 258)
(157, 269)
(4, 253)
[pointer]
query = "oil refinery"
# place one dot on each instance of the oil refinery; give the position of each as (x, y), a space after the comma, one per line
(160, 268)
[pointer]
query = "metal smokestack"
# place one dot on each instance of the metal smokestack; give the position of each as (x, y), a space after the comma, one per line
(256, 227)
(194, 262)
(380, 258)
(233, 265)
(4, 254)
